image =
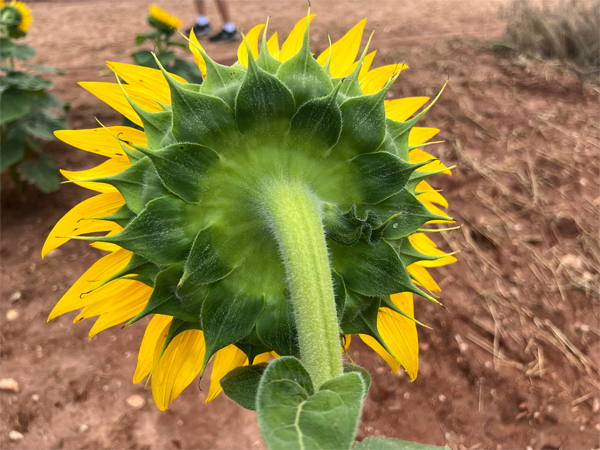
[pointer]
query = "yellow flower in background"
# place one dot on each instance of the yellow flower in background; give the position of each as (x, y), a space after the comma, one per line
(115, 293)
(22, 17)
(164, 17)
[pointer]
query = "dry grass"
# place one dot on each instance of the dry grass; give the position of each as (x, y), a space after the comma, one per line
(567, 32)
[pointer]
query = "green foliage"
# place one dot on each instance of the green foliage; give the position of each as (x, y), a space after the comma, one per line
(386, 443)
(161, 37)
(292, 415)
(29, 115)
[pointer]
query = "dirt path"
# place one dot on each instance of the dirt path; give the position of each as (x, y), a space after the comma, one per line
(515, 363)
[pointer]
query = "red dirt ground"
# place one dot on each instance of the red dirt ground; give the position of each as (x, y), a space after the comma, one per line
(515, 362)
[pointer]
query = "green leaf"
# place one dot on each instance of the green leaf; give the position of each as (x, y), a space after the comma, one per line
(348, 368)
(47, 69)
(304, 76)
(43, 124)
(204, 264)
(181, 166)
(264, 105)
(7, 48)
(226, 318)
(141, 38)
(163, 232)
(27, 82)
(14, 104)
(23, 51)
(386, 443)
(12, 149)
(241, 384)
(276, 326)
(292, 416)
(44, 172)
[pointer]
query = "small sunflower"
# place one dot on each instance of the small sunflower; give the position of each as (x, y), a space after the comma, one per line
(17, 16)
(162, 19)
(186, 218)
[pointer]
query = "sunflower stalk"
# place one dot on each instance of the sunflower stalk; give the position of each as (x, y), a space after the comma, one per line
(296, 223)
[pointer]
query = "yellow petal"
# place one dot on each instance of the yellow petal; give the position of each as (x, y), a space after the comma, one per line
(105, 246)
(422, 277)
(377, 78)
(420, 135)
(150, 81)
(108, 168)
(429, 194)
(102, 269)
(389, 359)
(98, 206)
(344, 52)
(293, 43)
(154, 336)
(198, 58)
(400, 333)
(273, 46)
(400, 109)
(112, 95)
(417, 155)
(225, 361)
(102, 141)
(364, 70)
(252, 40)
(426, 246)
(177, 367)
(263, 357)
(125, 303)
(433, 209)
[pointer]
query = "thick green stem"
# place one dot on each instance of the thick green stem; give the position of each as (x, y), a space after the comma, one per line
(294, 217)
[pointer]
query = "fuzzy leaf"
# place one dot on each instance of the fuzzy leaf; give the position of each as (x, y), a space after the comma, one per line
(386, 443)
(276, 327)
(241, 384)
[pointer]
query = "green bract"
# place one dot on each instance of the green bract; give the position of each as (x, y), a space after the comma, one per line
(199, 216)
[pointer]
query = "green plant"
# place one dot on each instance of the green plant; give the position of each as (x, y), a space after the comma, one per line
(26, 108)
(164, 27)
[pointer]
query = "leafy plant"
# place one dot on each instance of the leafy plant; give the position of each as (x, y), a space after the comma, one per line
(26, 107)
(164, 27)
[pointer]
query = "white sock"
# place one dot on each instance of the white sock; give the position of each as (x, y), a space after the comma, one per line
(229, 27)
(202, 20)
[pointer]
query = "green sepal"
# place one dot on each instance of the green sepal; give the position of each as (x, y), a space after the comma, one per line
(163, 232)
(386, 302)
(121, 216)
(181, 166)
(200, 118)
(264, 105)
(276, 327)
(265, 60)
(363, 128)
(137, 266)
(252, 350)
(319, 122)
(226, 318)
(386, 443)
(303, 75)
(382, 175)
(292, 416)
(419, 176)
(360, 317)
(404, 214)
(371, 269)
(221, 81)
(389, 146)
(204, 264)
(138, 184)
(348, 228)
(349, 368)
(241, 384)
(166, 299)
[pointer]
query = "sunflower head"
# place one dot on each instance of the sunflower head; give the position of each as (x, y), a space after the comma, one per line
(191, 210)
(16, 17)
(162, 20)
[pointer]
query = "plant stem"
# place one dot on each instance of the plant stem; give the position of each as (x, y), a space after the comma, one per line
(294, 216)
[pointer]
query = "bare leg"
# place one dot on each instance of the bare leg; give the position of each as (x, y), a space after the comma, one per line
(223, 8)
(200, 7)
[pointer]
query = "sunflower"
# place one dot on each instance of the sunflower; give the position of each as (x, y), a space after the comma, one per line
(18, 14)
(179, 249)
(160, 18)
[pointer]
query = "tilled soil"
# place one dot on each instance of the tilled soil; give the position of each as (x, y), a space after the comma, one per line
(514, 364)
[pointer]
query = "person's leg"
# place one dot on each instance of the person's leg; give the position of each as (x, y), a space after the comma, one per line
(202, 26)
(228, 33)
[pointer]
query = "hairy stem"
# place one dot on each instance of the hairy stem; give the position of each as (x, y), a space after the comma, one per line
(294, 217)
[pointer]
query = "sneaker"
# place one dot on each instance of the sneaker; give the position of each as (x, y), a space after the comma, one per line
(199, 30)
(224, 36)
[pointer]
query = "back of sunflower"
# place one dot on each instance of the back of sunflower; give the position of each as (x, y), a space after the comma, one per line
(261, 218)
